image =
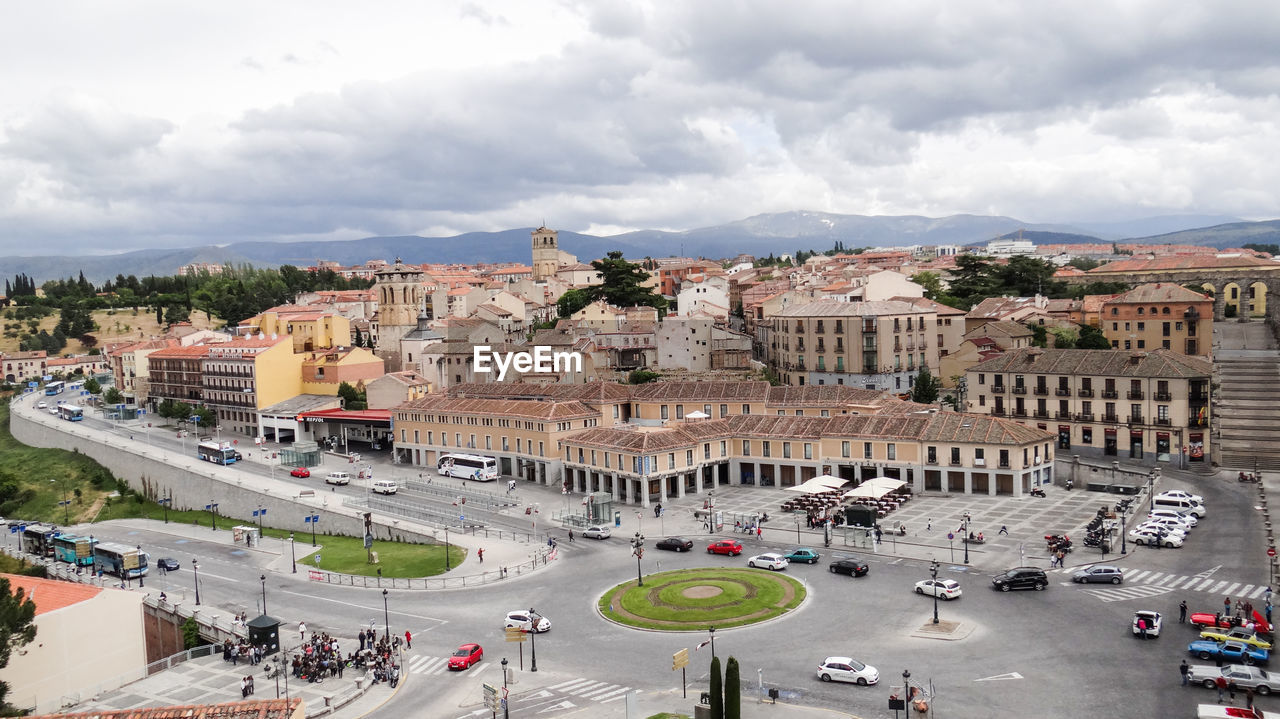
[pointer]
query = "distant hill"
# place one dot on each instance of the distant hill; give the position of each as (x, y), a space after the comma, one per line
(1039, 237)
(1232, 234)
(1148, 226)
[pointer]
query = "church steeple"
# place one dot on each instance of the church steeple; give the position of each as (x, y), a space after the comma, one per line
(546, 253)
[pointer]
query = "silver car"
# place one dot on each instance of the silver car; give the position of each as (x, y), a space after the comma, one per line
(1245, 677)
(597, 532)
(1098, 573)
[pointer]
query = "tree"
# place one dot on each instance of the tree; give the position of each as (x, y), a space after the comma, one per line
(572, 301)
(1091, 338)
(732, 690)
(623, 284)
(1039, 335)
(641, 376)
(176, 313)
(717, 692)
(926, 387)
(92, 386)
(205, 417)
(113, 396)
(1026, 276)
(191, 634)
(357, 339)
(931, 282)
(17, 628)
(352, 398)
(1064, 338)
(1083, 263)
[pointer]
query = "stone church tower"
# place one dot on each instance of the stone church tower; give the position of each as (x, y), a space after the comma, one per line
(400, 298)
(546, 253)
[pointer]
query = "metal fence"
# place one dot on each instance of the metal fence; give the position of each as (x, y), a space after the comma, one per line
(486, 499)
(540, 558)
(456, 520)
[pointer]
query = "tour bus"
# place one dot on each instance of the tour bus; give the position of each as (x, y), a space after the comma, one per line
(74, 550)
(120, 559)
(37, 539)
(468, 466)
(70, 412)
(216, 452)
(53, 388)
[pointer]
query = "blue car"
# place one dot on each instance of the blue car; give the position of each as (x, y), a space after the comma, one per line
(1231, 652)
(803, 554)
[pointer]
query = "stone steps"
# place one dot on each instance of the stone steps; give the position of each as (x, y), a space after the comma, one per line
(1247, 411)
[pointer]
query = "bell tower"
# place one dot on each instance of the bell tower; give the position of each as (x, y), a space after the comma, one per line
(546, 253)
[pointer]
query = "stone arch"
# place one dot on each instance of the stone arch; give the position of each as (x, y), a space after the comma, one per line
(1256, 303)
(1233, 299)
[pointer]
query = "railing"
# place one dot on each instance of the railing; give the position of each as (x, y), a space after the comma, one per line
(1164, 421)
(1085, 392)
(541, 556)
(1110, 394)
(1084, 417)
(1135, 419)
(1134, 394)
(933, 460)
(998, 412)
(1062, 415)
(1041, 390)
(1003, 465)
(1163, 397)
(1019, 413)
(1063, 391)
(1041, 414)
(490, 500)
(1110, 418)
(1019, 389)
(1197, 422)
(999, 388)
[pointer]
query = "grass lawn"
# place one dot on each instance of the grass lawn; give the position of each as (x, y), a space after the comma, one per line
(746, 596)
(32, 481)
(667, 715)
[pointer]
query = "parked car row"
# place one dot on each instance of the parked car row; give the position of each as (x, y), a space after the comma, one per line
(1170, 520)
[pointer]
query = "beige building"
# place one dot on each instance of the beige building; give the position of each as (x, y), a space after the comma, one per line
(310, 328)
(982, 343)
(1160, 316)
(1139, 405)
(876, 345)
(396, 388)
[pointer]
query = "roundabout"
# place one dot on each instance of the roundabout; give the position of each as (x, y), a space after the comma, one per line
(693, 599)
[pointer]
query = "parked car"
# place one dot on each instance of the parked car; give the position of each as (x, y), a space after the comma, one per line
(1098, 573)
(1235, 634)
(731, 547)
(852, 566)
(528, 621)
(1235, 652)
(1153, 619)
(947, 589)
(1172, 526)
(846, 669)
(1180, 494)
(465, 656)
(42, 405)
(302, 472)
(1217, 711)
(1220, 621)
(1021, 578)
(168, 564)
(339, 478)
(597, 532)
(675, 544)
(1186, 518)
(1245, 677)
(1152, 536)
(803, 554)
(776, 562)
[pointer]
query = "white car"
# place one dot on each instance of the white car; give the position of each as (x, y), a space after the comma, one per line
(1179, 494)
(1153, 620)
(42, 404)
(1169, 522)
(597, 532)
(1214, 711)
(528, 621)
(340, 478)
(1149, 536)
(845, 669)
(776, 562)
(1185, 517)
(947, 589)
(1166, 528)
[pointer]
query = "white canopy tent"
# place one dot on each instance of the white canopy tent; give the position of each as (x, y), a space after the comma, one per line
(697, 414)
(875, 488)
(818, 485)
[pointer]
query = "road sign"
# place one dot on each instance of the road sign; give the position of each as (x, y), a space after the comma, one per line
(516, 634)
(491, 697)
(1271, 551)
(680, 659)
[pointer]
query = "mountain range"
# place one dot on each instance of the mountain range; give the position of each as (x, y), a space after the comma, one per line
(776, 233)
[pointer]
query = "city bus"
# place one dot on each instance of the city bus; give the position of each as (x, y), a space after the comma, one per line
(70, 412)
(120, 559)
(468, 466)
(74, 550)
(53, 388)
(37, 539)
(216, 452)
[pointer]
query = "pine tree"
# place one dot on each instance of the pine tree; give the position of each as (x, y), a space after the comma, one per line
(732, 691)
(717, 692)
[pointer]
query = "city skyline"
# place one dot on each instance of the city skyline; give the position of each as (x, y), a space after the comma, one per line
(143, 125)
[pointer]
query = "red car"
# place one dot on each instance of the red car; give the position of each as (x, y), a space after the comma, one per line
(300, 472)
(731, 547)
(1205, 619)
(465, 656)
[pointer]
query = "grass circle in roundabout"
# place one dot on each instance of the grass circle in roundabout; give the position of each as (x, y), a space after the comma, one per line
(693, 599)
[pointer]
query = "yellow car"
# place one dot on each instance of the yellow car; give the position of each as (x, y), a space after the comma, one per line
(1236, 634)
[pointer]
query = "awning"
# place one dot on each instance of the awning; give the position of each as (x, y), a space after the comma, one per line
(875, 488)
(697, 414)
(818, 485)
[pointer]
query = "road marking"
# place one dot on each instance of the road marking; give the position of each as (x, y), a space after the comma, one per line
(1257, 593)
(1232, 589)
(1121, 594)
(368, 608)
(1245, 591)
(1000, 677)
(1139, 575)
(1203, 584)
(1209, 572)
(1217, 588)
(562, 705)
(428, 665)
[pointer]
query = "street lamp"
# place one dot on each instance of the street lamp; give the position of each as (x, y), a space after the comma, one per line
(712, 631)
(140, 567)
(446, 548)
(165, 502)
(213, 514)
(533, 634)
(506, 711)
(1123, 548)
(195, 571)
(906, 685)
(965, 541)
(934, 571)
(386, 615)
(263, 579)
(292, 557)
(637, 548)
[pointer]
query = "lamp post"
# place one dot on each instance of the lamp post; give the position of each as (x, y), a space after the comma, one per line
(293, 558)
(965, 541)
(506, 711)
(712, 632)
(140, 567)
(533, 636)
(386, 614)
(213, 514)
(1123, 548)
(165, 502)
(906, 685)
(637, 548)
(195, 571)
(934, 571)
(446, 548)
(263, 579)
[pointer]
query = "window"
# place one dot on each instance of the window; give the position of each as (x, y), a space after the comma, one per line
(979, 454)
(671, 460)
(746, 448)
(616, 411)
(844, 449)
(866, 450)
(786, 450)
(679, 411)
(1086, 435)
(746, 409)
(1004, 458)
(1139, 311)
(706, 451)
(932, 455)
(606, 457)
(663, 412)
(706, 409)
(688, 457)
(982, 400)
(982, 379)
(488, 441)
(593, 457)
(724, 448)
(765, 449)
(724, 410)
(892, 450)
(955, 455)
(1142, 326)
(808, 450)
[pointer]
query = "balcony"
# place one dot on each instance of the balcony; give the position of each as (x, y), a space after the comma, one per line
(1163, 397)
(1041, 414)
(868, 327)
(1198, 422)
(1135, 419)
(999, 388)
(1062, 392)
(931, 460)
(869, 369)
(998, 412)
(955, 463)
(1004, 465)
(1019, 413)
(1111, 418)
(1084, 417)
(1062, 415)
(1085, 392)
(1019, 389)
(1134, 394)
(1042, 391)
(1165, 421)
(979, 462)
(1110, 394)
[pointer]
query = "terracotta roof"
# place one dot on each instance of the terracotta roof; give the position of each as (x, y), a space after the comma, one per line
(938, 307)
(1184, 262)
(194, 351)
(509, 407)
(585, 392)
(836, 308)
(815, 394)
(1157, 292)
(1004, 328)
(49, 595)
(408, 377)
(254, 709)
(1001, 306)
(980, 429)
(751, 391)
(1108, 363)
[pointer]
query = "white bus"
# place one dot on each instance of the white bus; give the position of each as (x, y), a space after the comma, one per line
(216, 452)
(468, 466)
(71, 412)
(121, 560)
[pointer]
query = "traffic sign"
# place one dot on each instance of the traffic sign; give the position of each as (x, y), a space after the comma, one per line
(516, 634)
(1271, 551)
(679, 659)
(490, 697)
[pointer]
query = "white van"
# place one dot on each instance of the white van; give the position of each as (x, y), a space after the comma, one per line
(338, 478)
(1178, 505)
(385, 486)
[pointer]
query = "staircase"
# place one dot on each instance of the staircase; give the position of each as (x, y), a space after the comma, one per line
(1247, 408)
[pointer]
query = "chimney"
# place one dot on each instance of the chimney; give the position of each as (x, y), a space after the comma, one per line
(1033, 353)
(1137, 357)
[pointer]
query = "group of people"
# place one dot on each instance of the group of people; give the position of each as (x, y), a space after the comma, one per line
(235, 651)
(318, 657)
(246, 686)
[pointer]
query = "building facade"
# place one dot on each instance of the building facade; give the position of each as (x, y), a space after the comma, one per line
(1160, 316)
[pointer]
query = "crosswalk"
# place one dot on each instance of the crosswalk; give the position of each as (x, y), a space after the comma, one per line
(419, 664)
(601, 692)
(1141, 584)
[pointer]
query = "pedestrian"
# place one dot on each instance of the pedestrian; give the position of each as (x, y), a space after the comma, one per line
(480, 555)
(1239, 607)
(928, 527)
(360, 636)
(1268, 611)
(1267, 595)
(759, 531)
(504, 571)
(1142, 628)
(1004, 530)
(1248, 697)
(1221, 684)
(1182, 612)
(1062, 558)
(1185, 671)
(408, 640)
(302, 631)
(1226, 607)
(244, 687)
(570, 535)
(1248, 609)
(1231, 689)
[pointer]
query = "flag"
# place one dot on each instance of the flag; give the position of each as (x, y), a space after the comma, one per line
(702, 645)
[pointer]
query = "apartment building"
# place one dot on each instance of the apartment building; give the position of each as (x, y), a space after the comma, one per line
(243, 376)
(1140, 405)
(310, 328)
(1160, 316)
(875, 345)
(176, 373)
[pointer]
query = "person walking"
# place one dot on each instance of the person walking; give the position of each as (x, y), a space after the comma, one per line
(759, 531)
(1062, 558)
(1182, 612)
(302, 631)
(1185, 671)
(1226, 607)
(1004, 530)
(570, 535)
(480, 555)
(1221, 684)
(1268, 611)
(408, 640)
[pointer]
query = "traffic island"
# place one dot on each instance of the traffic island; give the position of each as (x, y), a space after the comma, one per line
(945, 630)
(693, 599)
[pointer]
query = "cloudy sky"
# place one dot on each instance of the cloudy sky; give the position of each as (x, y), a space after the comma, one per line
(146, 124)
